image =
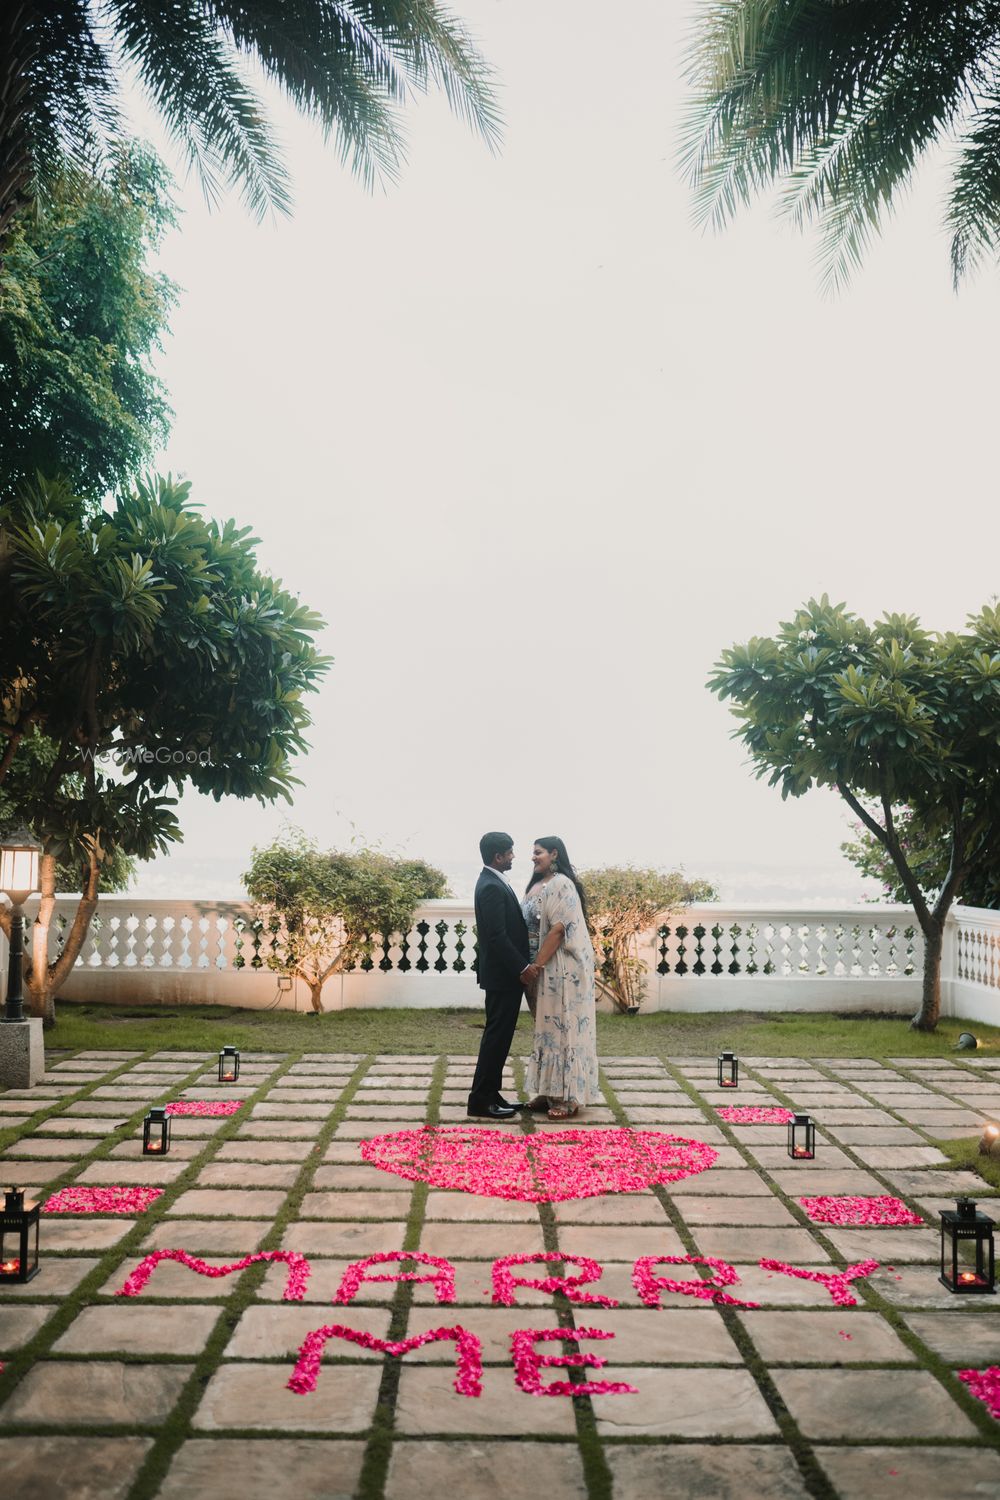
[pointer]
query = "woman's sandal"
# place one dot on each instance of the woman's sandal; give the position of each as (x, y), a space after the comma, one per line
(563, 1111)
(539, 1105)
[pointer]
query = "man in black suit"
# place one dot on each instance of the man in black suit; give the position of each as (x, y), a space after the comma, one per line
(503, 958)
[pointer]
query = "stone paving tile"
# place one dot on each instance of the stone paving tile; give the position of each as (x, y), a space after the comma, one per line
(485, 1241)
(348, 1152)
(683, 1402)
(864, 1114)
(356, 1205)
(458, 1207)
(267, 1469)
(799, 1180)
(914, 1285)
(278, 1331)
(134, 1328)
(662, 1336)
(232, 1174)
(794, 1245)
(894, 1157)
(71, 1468)
(60, 1232)
(131, 1150)
(33, 1173)
(147, 1171)
(62, 1125)
(641, 1115)
(607, 1243)
(838, 1337)
(482, 1471)
(303, 1111)
(885, 1244)
(885, 1473)
(428, 1403)
(918, 1184)
(631, 1208)
(875, 1135)
(828, 1158)
(852, 1403)
(59, 1276)
(313, 1096)
(722, 1211)
(240, 1236)
(360, 1130)
(255, 1397)
(110, 1394)
(962, 1338)
(739, 1181)
(18, 1325)
(229, 1203)
(702, 1471)
(279, 1130)
(345, 1176)
(354, 1241)
(261, 1151)
(946, 1124)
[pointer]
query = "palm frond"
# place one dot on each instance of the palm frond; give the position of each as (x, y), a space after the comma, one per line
(974, 205)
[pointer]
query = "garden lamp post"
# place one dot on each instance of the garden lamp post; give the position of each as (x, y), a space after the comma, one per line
(22, 1056)
(19, 854)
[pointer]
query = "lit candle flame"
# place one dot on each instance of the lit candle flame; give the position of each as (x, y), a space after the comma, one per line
(10, 1267)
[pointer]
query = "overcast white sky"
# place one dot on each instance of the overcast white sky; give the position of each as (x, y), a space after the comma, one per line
(538, 449)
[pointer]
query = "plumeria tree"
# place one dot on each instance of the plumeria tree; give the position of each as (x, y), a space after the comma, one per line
(147, 649)
(886, 715)
(623, 902)
(318, 911)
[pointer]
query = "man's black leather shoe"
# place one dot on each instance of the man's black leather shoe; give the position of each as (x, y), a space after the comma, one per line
(494, 1112)
(506, 1104)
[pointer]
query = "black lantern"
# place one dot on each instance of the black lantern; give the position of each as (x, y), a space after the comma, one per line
(229, 1065)
(964, 1226)
(18, 1246)
(156, 1131)
(729, 1070)
(802, 1138)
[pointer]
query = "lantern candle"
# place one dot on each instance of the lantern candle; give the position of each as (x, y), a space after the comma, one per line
(156, 1132)
(18, 1223)
(964, 1228)
(729, 1070)
(802, 1138)
(229, 1065)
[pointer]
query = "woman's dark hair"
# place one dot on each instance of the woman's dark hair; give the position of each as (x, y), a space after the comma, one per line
(564, 866)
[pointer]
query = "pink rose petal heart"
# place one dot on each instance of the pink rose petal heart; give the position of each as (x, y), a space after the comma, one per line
(548, 1167)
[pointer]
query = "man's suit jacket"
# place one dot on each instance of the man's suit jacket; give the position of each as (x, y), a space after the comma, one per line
(502, 933)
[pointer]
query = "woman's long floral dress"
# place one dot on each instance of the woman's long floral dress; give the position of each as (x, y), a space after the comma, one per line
(563, 1064)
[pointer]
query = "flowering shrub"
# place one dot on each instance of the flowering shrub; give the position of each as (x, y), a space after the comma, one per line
(468, 1374)
(544, 1168)
(865, 1211)
(101, 1200)
(295, 1286)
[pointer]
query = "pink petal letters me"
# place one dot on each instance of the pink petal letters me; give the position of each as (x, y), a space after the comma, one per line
(528, 1362)
(468, 1373)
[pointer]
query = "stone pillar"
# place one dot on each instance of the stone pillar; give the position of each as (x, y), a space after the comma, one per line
(22, 1053)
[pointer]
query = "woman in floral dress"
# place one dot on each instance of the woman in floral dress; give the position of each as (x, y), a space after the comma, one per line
(562, 1073)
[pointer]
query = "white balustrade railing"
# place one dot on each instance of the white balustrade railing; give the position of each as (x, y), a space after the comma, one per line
(707, 957)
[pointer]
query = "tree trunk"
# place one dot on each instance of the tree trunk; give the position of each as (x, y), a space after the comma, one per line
(929, 1013)
(44, 978)
(18, 53)
(315, 992)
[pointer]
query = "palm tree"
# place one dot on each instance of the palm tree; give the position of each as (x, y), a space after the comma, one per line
(837, 101)
(348, 64)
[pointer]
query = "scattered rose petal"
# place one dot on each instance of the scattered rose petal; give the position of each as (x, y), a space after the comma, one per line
(101, 1200)
(860, 1211)
(755, 1114)
(985, 1386)
(204, 1106)
(837, 1283)
(295, 1287)
(543, 1168)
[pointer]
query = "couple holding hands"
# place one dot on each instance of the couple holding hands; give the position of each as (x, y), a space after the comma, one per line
(539, 948)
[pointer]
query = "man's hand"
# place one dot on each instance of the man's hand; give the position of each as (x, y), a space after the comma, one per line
(530, 975)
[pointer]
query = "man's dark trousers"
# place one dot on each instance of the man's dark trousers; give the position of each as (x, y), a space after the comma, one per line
(503, 953)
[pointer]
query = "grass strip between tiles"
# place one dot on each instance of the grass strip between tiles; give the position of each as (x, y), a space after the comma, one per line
(378, 1448)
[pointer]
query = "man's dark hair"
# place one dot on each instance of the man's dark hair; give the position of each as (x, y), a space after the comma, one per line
(492, 844)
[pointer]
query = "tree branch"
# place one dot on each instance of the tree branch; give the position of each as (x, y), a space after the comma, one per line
(889, 840)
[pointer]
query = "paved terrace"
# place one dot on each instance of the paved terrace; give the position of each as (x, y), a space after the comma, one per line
(181, 1390)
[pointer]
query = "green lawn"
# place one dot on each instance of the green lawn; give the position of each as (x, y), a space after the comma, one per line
(660, 1033)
